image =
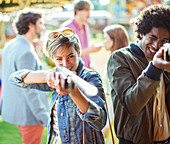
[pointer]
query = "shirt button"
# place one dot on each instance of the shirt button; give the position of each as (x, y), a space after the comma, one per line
(64, 131)
(160, 125)
(62, 114)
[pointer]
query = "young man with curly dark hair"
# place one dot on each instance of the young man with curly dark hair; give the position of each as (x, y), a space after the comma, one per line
(136, 74)
(26, 108)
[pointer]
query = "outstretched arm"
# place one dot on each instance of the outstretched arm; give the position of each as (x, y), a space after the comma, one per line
(55, 81)
(31, 79)
(35, 77)
(92, 49)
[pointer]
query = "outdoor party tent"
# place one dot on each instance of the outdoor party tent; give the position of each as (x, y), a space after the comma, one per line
(7, 6)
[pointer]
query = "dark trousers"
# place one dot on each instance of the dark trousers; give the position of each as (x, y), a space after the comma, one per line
(123, 141)
(167, 141)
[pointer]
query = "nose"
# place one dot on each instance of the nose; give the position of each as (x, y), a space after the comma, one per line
(43, 27)
(157, 44)
(65, 62)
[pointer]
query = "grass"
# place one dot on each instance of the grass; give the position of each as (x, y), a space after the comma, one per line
(9, 134)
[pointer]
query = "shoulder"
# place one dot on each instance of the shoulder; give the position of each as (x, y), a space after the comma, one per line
(16, 46)
(127, 54)
(120, 53)
(88, 73)
(118, 59)
(67, 23)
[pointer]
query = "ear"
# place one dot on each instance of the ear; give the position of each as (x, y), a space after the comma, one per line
(30, 25)
(79, 53)
(141, 36)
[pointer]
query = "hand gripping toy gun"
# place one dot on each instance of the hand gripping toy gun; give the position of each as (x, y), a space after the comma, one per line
(167, 52)
(70, 77)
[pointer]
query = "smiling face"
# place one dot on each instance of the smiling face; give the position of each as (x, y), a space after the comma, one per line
(67, 57)
(152, 41)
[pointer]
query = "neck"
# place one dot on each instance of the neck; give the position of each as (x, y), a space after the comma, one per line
(140, 46)
(29, 37)
(79, 21)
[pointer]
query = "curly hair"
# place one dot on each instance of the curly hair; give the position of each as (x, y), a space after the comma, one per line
(24, 20)
(152, 16)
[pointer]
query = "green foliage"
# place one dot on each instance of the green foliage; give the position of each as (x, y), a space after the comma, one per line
(97, 37)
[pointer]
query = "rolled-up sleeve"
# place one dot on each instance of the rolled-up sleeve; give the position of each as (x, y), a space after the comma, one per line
(32, 96)
(17, 77)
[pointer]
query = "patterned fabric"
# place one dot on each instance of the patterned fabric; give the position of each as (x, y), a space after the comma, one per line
(55, 118)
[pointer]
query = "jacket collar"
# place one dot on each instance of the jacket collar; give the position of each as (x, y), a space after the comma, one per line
(135, 48)
(80, 66)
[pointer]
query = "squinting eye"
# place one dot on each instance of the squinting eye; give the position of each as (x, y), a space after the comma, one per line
(153, 38)
(71, 56)
(164, 41)
(58, 59)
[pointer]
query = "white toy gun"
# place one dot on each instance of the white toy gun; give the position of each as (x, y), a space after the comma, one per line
(70, 77)
(167, 52)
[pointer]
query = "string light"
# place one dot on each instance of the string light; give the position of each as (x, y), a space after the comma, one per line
(14, 1)
(33, 1)
(7, 1)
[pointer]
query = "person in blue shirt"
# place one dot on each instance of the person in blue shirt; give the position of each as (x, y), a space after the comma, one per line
(75, 116)
(25, 108)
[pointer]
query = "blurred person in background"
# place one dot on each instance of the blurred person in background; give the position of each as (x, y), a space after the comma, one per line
(140, 76)
(75, 116)
(80, 26)
(115, 37)
(26, 108)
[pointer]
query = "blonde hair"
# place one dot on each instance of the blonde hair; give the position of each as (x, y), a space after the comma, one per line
(53, 45)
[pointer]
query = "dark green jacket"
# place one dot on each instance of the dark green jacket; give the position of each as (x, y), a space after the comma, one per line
(133, 86)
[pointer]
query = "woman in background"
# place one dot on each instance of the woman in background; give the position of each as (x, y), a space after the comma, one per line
(115, 37)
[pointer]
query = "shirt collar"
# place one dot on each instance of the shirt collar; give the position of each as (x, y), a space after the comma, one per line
(25, 39)
(77, 25)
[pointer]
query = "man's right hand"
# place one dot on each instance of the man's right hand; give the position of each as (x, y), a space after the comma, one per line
(159, 62)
